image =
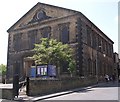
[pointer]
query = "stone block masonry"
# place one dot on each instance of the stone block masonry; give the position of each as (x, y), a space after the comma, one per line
(41, 87)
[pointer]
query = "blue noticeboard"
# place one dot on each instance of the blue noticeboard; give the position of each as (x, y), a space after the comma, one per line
(51, 70)
(33, 71)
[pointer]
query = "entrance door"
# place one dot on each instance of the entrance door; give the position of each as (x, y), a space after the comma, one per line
(27, 65)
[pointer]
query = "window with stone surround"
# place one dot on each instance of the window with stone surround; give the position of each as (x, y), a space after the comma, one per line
(99, 43)
(64, 67)
(100, 66)
(89, 68)
(94, 67)
(107, 48)
(111, 51)
(94, 40)
(17, 42)
(64, 32)
(45, 32)
(32, 38)
(103, 44)
(89, 36)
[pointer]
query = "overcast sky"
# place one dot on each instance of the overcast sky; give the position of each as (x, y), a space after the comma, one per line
(103, 13)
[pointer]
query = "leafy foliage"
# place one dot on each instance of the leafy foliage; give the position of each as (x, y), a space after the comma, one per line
(2, 69)
(72, 66)
(49, 51)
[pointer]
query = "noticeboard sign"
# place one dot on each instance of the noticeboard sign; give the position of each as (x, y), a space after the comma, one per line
(46, 70)
(33, 71)
(42, 70)
(51, 70)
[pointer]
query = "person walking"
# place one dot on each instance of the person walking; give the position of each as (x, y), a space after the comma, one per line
(106, 77)
(119, 78)
(15, 86)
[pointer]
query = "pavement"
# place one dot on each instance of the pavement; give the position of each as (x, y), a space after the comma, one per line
(23, 97)
(35, 98)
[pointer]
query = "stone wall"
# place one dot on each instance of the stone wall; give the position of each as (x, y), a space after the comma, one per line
(17, 57)
(47, 86)
(6, 93)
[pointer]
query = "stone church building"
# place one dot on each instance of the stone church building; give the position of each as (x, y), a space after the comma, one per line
(93, 50)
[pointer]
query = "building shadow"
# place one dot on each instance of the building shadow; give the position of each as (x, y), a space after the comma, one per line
(108, 84)
(84, 91)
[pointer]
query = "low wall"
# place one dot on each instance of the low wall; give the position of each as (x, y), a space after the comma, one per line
(6, 93)
(41, 87)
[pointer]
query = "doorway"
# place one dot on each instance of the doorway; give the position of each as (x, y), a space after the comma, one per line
(28, 62)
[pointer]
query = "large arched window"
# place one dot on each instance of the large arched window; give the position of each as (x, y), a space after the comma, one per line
(32, 38)
(89, 36)
(64, 33)
(89, 68)
(45, 32)
(17, 41)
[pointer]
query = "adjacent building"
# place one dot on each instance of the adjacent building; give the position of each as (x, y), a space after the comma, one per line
(116, 64)
(93, 50)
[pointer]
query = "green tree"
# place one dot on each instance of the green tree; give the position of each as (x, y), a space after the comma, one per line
(2, 69)
(50, 51)
(72, 66)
